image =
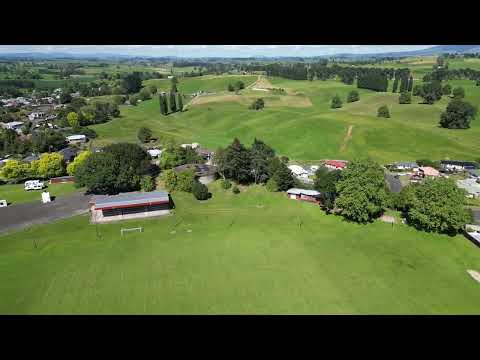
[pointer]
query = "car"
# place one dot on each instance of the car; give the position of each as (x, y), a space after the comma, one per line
(3, 203)
(34, 185)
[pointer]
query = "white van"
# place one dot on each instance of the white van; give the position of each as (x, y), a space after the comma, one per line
(34, 185)
(3, 203)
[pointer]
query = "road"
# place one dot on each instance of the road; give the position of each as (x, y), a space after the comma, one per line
(20, 216)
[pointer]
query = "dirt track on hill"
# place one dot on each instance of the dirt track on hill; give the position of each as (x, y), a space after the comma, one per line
(21, 216)
(346, 139)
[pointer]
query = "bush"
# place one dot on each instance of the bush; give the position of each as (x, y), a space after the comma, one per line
(271, 185)
(144, 94)
(383, 111)
(336, 102)
(226, 184)
(185, 181)
(405, 98)
(119, 99)
(147, 183)
(257, 104)
(236, 190)
(353, 96)
(458, 93)
(144, 134)
(200, 191)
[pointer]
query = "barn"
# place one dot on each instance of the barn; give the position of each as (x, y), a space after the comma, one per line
(106, 208)
(304, 195)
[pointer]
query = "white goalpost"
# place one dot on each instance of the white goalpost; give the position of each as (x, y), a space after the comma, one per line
(127, 230)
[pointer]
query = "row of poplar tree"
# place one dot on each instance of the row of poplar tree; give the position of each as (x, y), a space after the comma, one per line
(174, 102)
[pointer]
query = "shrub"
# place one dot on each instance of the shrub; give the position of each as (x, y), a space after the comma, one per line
(146, 183)
(383, 111)
(353, 96)
(236, 190)
(336, 102)
(272, 185)
(257, 104)
(226, 184)
(185, 181)
(458, 93)
(144, 134)
(200, 191)
(405, 98)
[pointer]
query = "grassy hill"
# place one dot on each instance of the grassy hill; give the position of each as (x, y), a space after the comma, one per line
(236, 254)
(305, 133)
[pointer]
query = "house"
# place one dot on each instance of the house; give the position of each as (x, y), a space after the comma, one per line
(203, 172)
(470, 186)
(68, 153)
(205, 154)
(106, 208)
(314, 168)
(154, 153)
(304, 195)
(454, 165)
(473, 233)
(35, 115)
(429, 172)
(336, 164)
(13, 125)
(76, 139)
(298, 171)
(405, 165)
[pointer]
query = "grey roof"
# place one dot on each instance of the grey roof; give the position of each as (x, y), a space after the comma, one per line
(466, 164)
(476, 216)
(30, 158)
(68, 152)
(406, 163)
(129, 199)
(297, 191)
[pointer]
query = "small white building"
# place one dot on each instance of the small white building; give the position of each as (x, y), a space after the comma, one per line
(298, 171)
(35, 115)
(13, 125)
(192, 145)
(470, 186)
(76, 139)
(154, 153)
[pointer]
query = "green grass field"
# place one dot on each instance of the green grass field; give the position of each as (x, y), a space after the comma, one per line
(306, 133)
(255, 252)
(16, 194)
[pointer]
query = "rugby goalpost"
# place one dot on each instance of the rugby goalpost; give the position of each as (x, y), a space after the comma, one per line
(127, 230)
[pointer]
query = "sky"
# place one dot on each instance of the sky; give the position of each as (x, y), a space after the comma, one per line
(211, 50)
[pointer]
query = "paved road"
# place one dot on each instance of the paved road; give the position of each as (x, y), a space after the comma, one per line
(24, 215)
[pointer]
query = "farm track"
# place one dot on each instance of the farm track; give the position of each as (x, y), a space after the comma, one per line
(347, 138)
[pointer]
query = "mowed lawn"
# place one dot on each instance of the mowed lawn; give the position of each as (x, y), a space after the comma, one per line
(255, 252)
(307, 133)
(16, 194)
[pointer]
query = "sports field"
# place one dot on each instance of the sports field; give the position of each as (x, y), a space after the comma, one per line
(255, 252)
(308, 132)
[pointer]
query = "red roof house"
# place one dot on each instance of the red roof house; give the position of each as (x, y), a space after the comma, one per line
(336, 164)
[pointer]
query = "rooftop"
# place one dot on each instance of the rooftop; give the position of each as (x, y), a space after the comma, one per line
(297, 191)
(129, 199)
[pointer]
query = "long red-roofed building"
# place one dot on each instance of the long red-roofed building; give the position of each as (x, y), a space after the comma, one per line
(336, 164)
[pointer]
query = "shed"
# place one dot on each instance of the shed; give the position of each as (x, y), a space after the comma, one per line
(68, 153)
(304, 195)
(106, 208)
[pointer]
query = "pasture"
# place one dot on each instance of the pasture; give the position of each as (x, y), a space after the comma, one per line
(236, 254)
(302, 126)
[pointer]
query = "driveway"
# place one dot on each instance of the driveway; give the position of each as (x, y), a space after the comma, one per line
(20, 216)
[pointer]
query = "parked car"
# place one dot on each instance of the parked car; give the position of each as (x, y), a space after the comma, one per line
(34, 185)
(3, 203)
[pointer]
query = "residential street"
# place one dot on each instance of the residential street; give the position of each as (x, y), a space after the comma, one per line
(24, 215)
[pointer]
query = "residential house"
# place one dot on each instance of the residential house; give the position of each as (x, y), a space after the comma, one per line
(35, 115)
(304, 195)
(336, 164)
(428, 172)
(76, 139)
(68, 153)
(454, 165)
(406, 165)
(298, 171)
(154, 153)
(13, 125)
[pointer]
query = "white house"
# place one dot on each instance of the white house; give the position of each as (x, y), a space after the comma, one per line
(298, 171)
(35, 115)
(154, 153)
(76, 139)
(406, 165)
(470, 186)
(13, 125)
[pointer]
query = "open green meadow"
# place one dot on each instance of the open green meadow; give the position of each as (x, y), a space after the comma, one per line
(307, 132)
(16, 194)
(255, 252)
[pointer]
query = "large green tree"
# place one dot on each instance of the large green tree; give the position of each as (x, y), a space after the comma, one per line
(362, 191)
(283, 177)
(437, 205)
(353, 96)
(336, 102)
(325, 182)
(235, 162)
(261, 154)
(458, 115)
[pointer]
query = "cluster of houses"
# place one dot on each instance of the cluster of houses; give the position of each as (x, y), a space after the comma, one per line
(417, 174)
(306, 174)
